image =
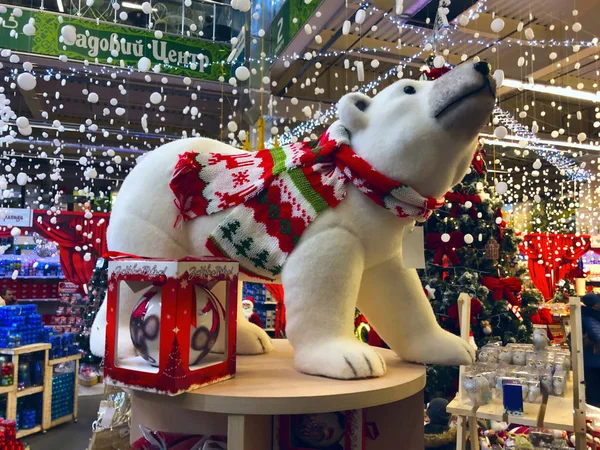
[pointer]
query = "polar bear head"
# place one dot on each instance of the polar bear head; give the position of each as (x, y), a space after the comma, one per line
(422, 133)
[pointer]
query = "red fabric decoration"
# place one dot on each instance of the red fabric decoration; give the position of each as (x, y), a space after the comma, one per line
(504, 288)
(276, 291)
(478, 163)
(433, 73)
(434, 242)
(542, 317)
(255, 319)
(64, 232)
(558, 254)
(476, 308)
(457, 199)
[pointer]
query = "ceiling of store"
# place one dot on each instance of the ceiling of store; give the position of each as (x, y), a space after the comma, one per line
(377, 37)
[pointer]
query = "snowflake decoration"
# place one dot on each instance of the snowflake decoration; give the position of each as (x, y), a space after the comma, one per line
(239, 178)
(183, 283)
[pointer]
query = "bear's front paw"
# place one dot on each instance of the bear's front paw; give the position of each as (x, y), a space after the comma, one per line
(438, 347)
(342, 359)
(252, 340)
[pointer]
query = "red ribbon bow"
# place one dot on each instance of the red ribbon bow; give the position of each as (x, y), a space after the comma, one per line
(434, 242)
(476, 309)
(542, 317)
(504, 288)
(458, 198)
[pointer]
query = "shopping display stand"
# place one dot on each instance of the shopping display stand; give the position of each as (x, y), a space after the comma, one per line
(47, 421)
(562, 413)
(265, 386)
(13, 393)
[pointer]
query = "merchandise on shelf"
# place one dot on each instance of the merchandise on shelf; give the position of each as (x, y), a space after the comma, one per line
(30, 266)
(62, 344)
(6, 366)
(264, 305)
(29, 411)
(8, 435)
(63, 391)
(19, 325)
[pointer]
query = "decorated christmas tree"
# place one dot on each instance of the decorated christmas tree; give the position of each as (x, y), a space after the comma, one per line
(470, 249)
(96, 293)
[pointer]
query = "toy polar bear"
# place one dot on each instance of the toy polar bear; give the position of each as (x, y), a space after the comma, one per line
(420, 133)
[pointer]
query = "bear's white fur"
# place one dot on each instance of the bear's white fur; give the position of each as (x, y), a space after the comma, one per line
(350, 255)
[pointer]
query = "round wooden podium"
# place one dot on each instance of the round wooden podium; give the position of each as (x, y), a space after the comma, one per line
(269, 385)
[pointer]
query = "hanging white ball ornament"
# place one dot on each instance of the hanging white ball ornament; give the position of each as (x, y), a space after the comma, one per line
(69, 34)
(22, 179)
(529, 35)
(28, 29)
(537, 164)
(468, 238)
(439, 61)
(581, 137)
(92, 97)
(155, 98)
(144, 64)
(242, 73)
(445, 237)
(500, 132)
(501, 187)
(147, 8)
(576, 27)
(497, 25)
(26, 81)
(232, 126)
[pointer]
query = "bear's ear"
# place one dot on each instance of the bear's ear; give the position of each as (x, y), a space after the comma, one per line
(352, 109)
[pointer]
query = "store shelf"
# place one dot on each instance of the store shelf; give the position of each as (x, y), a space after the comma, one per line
(25, 349)
(22, 277)
(29, 391)
(61, 420)
(23, 433)
(37, 300)
(269, 329)
(53, 362)
(269, 303)
(6, 389)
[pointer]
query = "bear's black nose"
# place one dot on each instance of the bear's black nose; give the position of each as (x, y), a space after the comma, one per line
(483, 68)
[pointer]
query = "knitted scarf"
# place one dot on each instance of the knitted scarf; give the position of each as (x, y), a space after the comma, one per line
(275, 194)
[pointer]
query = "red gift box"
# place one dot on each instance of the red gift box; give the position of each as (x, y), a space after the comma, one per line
(172, 330)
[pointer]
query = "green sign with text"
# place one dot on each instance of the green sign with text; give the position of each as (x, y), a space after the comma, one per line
(289, 20)
(104, 43)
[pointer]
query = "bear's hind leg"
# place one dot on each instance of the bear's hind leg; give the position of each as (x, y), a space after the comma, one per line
(392, 299)
(321, 279)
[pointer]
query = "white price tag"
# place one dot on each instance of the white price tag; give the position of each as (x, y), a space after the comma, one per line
(413, 248)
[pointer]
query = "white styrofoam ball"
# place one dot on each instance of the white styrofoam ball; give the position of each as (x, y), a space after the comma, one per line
(244, 5)
(27, 66)
(439, 61)
(123, 15)
(294, 101)
(576, 27)
(554, 134)
(463, 20)
(15, 231)
(445, 237)
(187, 81)
(69, 34)
(497, 25)
(346, 27)
(92, 97)
(26, 131)
(520, 27)
(22, 179)
(22, 122)
(520, 61)
(242, 73)
(158, 34)
(529, 35)
(144, 64)
(501, 187)
(29, 29)
(374, 63)
(361, 14)
(499, 77)
(274, 130)
(537, 164)
(552, 56)
(147, 8)
(155, 98)
(26, 81)
(468, 238)
(307, 29)
(232, 126)
(581, 137)
(500, 132)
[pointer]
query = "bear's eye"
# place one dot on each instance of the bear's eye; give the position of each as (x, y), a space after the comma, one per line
(410, 90)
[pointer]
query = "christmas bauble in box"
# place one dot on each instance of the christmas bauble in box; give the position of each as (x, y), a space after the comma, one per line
(206, 323)
(144, 325)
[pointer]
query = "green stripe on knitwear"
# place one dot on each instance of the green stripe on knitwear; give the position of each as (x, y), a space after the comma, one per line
(278, 156)
(307, 191)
